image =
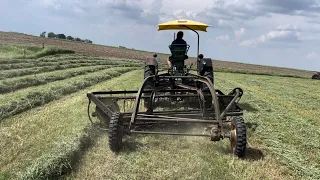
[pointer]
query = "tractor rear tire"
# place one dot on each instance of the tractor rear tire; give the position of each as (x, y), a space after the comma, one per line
(238, 136)
(149, 70)
(208, 73)
(316, 76)
(115, 132)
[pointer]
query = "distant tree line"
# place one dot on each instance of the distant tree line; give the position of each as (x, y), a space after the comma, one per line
(62, 36)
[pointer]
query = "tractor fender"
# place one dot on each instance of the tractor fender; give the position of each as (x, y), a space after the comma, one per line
(205, 64)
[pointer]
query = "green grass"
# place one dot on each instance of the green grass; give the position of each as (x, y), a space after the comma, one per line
(283, 140)
(59, 125)
(275, 145)
(243, 71)
(25, 99)
(14, 84)
(11, 51)
(36, 70)
(32, 64)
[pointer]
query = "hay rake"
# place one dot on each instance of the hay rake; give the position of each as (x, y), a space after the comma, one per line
(175, 97)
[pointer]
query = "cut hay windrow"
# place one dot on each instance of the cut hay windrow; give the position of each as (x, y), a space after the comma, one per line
(63, 158)
(41, 64)
(14, 84)
(18, 102)
(56, 123)
(36, 70)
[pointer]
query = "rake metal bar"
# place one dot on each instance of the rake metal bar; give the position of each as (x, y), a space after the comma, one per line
(229, 105)
(159, 116)
(176, 120)
(168, 133)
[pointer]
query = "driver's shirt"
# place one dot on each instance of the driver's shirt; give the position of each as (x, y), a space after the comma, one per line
(179, 41)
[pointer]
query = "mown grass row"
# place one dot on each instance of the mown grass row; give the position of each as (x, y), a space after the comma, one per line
(60, 161)
(41, 64)
(36, 70)
(69, 58)
(77, 60)
(14, 84)
(61, 132)
(14, 103)
(243, 71)
(13, 51)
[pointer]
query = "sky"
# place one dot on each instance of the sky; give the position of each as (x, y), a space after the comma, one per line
(283, 33)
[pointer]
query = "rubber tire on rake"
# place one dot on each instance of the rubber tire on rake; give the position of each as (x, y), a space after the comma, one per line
(238, 138)
(115, 132)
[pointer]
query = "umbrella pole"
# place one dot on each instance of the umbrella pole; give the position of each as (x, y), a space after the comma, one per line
(198, 60)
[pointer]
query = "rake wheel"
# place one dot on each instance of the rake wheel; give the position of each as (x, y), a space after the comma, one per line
(238, 137)
(115, 132)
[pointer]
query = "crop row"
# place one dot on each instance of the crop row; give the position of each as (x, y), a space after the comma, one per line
(53, 130)
(41, 64)
(14, 103)
(70, 58)
(36, 70)
(14, 84)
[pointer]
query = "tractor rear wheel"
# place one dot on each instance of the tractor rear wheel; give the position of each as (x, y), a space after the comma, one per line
(238, 136)
(115, 132)
(208, 99)
(149, 70)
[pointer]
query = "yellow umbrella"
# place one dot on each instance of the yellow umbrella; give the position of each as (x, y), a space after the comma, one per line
(183, 24)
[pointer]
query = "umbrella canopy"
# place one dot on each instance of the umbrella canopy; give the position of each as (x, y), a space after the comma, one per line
(183, 24)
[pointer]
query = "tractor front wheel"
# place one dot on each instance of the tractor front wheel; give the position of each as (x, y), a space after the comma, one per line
(238, 136)
(115, 132)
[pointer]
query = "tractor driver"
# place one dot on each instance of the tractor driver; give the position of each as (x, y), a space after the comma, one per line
(177, 41)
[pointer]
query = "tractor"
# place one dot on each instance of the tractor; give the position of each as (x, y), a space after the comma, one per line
(173, 98)
(316, 76)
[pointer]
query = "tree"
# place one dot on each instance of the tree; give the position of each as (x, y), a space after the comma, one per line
(70, 38)
(43, 34)
(51, 35)
(78, 39)
(61, 36)
(87, 41)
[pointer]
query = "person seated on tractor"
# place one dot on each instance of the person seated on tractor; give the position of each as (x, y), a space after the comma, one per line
(177, 41)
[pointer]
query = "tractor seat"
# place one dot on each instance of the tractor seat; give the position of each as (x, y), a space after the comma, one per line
(179, 52)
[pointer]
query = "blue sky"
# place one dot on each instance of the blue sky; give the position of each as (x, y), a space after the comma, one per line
(269, 32)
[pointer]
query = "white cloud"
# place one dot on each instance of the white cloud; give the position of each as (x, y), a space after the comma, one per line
(312, 55)
(282, 35)
(276, 23)
(223, 38)
(288, 27)
(239, 33)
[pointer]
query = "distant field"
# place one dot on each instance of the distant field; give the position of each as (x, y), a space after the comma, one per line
(108, 51)
(45, 132)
